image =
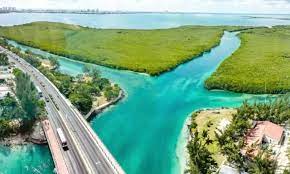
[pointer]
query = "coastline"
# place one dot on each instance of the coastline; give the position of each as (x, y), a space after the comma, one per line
(97, 110)
(36, 136)
(162, 71)
(116, 67)
(181, 150)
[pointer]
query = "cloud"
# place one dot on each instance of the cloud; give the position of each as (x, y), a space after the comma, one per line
(238, 6)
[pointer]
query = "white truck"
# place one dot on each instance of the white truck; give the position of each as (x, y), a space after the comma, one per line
(62, 138)
(39, 91)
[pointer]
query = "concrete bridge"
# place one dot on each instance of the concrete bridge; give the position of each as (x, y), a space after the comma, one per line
(87, 154)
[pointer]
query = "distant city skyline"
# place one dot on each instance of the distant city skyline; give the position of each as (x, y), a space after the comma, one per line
(212, 6)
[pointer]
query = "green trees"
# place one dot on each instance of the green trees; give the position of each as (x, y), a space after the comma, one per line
(148, 51)
(5, 128)
(112, 92)
(86, 69)
(82, 101)
(262, 163)
(201, 160)
(27, 95)
(81, 90)
(33, 60)
(3, 59)
(259, 66)
(231, 141)
(9, 109)
(25, 110)
(54, 62)
(276, 111)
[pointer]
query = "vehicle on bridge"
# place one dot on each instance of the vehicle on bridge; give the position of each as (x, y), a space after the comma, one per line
(62, 139)
(39, 91)
(47, 99)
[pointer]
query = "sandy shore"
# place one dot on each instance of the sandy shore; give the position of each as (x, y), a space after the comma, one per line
(202, 116)
(36, 136)
(181, 150)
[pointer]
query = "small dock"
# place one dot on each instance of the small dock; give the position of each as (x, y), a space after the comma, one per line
(55, 148)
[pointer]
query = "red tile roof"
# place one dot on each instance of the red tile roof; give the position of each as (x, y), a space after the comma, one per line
(264, 128)
(256, 134)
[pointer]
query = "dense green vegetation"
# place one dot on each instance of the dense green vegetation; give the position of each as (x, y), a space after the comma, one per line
(231, 141)
(201, 158)
(148, 51)
(9, 109)
(81, 90)
(202, 118)
(3, 60)
(23, 111)
(260, 65)
(28, 97)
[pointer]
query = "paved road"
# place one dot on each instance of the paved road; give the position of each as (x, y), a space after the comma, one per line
(86, 154)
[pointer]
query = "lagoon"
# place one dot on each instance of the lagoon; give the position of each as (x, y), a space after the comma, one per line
(143, 130)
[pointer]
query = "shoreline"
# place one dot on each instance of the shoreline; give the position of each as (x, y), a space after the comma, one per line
(97, 110)
(36, 136)
(117, 67)
(181, 150)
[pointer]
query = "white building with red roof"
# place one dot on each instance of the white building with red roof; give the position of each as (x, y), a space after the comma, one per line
(263, 132)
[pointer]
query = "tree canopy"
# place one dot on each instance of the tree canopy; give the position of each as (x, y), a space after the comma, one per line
(3, 59)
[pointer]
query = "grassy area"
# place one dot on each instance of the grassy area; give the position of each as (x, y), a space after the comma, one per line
(260, 65)
(148, 51)
(83, 90)
(214, 116)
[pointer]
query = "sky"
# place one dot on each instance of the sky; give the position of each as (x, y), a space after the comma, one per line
(219, 6)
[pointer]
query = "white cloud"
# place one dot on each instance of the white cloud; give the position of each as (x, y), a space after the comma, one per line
(246, 6)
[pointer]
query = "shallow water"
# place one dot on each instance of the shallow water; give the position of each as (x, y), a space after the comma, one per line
(25, 159)
(142, 131)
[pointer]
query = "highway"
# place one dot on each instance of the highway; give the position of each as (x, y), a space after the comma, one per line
(87, 154)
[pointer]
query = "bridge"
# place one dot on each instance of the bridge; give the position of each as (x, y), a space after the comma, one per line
(87, 154)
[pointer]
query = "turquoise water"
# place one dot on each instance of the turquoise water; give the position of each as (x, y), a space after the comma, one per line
(32, 159)
(142, 131)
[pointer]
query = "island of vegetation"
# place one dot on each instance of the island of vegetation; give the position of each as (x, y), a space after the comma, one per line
(147, 51)
(20, 106)
(260, 65)
(221, 137)
(86, 91)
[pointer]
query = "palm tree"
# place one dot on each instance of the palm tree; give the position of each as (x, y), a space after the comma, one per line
(262, 163)
(201, 160)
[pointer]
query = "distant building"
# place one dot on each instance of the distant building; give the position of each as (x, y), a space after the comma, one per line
(6, 74)
(263, 133)
(7, 9)
(226, 169)
(5, 77)
(6, 69)
(4, 91)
